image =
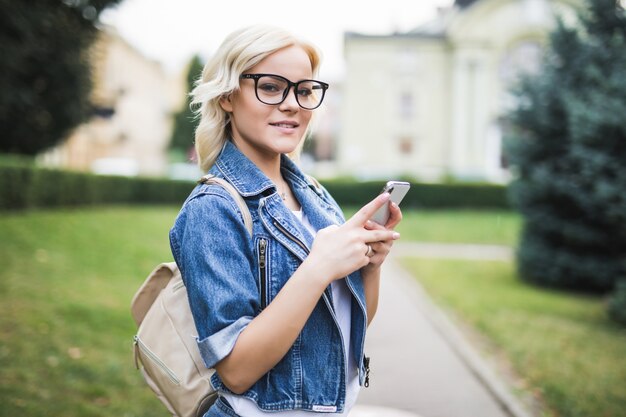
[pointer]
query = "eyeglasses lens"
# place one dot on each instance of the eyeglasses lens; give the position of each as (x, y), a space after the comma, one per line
(309, 94)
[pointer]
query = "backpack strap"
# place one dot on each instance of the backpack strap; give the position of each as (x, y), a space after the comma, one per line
(247, 217)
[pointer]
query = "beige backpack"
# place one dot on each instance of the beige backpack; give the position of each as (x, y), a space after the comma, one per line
(165, 343)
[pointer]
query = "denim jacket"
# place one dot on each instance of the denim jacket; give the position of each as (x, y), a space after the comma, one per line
(231, 276)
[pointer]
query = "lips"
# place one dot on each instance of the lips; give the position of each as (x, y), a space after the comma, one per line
(288, 124)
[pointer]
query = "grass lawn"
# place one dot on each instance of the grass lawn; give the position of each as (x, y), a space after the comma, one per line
(466, 226)
(66, 281)
(561, 344)
(496, 227)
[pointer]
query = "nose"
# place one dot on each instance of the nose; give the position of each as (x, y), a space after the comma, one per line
(290, 103)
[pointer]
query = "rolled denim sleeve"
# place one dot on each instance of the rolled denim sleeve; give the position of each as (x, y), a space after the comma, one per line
(214, 252)
(217, 346)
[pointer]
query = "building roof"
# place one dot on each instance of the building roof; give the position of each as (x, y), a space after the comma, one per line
(464, 3)
(395, 35)
(436, 27)
(433, 29)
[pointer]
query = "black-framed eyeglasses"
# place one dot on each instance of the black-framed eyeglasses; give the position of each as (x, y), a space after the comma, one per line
(273, 89)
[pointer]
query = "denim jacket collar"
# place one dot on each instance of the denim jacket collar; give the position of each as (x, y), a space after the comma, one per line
(247, 178)
(250, 181)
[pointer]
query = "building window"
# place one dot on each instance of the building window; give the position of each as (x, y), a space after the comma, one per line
(103, 112)
(523, 58)
(405, 145)
(406, 106)
(122, 138)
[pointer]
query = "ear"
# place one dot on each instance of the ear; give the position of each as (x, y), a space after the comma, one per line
(226, 104)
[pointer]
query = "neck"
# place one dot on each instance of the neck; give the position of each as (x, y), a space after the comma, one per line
(271, 169)
(268, 163)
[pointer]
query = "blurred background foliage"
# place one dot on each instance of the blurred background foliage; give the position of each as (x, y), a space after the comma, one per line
(184, 121)
(567, 147)
(45, 80)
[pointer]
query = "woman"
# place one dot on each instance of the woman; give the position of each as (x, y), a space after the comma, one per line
(281, 315)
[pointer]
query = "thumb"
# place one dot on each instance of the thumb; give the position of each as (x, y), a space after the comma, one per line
(363, 215)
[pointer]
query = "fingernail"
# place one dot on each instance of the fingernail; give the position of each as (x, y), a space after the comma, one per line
(385, 196)
(396, 235)
(369, 223)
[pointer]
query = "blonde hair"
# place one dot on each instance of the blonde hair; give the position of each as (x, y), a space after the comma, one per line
(240, 51)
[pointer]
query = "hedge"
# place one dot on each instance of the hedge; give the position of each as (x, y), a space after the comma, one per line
(23, 185)
(456, 195)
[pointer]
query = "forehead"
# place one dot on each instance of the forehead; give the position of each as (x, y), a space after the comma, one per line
(291, 62)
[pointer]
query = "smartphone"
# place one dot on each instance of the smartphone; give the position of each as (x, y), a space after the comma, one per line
(398, 190)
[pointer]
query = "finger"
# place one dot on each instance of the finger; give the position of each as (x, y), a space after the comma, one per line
(380, 235)
(381, 248)
(371, 225)
(395, 216)
(376, 249)
(368, 210)
(380, 251)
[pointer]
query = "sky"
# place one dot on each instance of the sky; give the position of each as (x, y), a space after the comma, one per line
(172, 31)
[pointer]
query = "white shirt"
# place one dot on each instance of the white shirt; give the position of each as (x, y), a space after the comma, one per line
(342, 302)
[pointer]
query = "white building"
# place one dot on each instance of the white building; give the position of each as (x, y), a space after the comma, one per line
(428, 103)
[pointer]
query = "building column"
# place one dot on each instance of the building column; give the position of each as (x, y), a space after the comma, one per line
(459, 116)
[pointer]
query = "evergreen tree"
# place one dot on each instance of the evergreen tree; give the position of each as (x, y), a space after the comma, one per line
(567, 148)
(617, 303)
(184, 121)
(44, 71)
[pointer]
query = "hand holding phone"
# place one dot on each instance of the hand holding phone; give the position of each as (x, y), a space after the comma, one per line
(397, 191)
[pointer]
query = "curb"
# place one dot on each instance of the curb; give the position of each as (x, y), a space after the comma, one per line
(468, 355)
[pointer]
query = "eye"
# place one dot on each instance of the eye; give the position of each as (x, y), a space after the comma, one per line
(304, 92)
(270, 87)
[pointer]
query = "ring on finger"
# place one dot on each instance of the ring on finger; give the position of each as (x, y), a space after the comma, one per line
(370, 251)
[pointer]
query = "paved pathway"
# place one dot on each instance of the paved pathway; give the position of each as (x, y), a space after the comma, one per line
(420, 363)
(454, 251)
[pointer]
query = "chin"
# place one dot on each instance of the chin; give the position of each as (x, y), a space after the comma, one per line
(287, 146)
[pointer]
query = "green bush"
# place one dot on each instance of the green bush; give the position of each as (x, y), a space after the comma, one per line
(23, 185)
(16, 178)
(352, 193)
(617, 303)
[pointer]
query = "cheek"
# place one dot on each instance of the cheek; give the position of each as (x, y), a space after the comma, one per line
(306, 119)
(249, 115)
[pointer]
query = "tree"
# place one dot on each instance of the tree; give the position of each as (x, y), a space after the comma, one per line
(617, 303)
(184, 121)
(567, 148)
(44, 71)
